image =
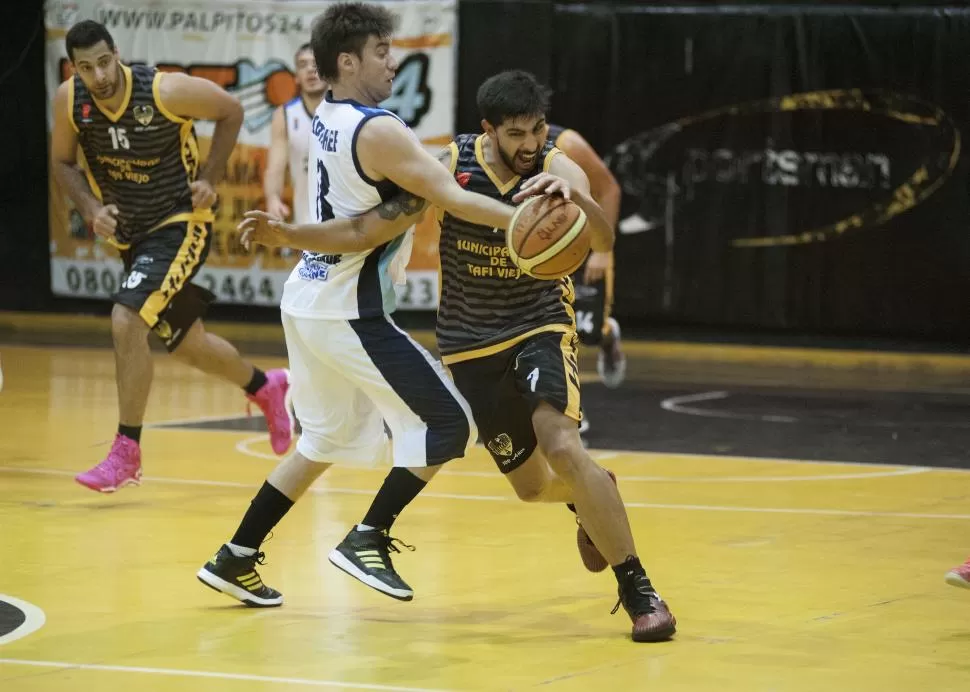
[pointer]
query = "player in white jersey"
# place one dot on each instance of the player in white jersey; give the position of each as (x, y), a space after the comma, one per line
(289, 147)
(351, 368)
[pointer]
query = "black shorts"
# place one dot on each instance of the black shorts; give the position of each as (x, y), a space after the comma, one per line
(158, 274)
(504, 389)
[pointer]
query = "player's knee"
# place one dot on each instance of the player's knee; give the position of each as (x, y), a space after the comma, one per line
(127, 325)
(530, 492)
(565, 454)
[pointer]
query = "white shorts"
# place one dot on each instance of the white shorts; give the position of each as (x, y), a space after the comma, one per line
(347, 377)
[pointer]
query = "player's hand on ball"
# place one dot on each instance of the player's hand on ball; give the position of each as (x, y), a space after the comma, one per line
(261, 228)
(542, 184)
(203, 194)
(596, 266)
(105, 221)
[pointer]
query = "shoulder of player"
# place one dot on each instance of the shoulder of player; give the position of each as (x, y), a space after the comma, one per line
(382, 128)
(63, 92)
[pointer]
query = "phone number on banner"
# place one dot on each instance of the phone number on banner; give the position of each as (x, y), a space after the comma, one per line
(102, 278)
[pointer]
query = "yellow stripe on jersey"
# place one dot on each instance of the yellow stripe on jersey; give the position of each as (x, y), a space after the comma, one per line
(502, 345)
(156, 93)
(116, 116)
(190, 149)
(503, 188)
(547, 161)
(70, 103)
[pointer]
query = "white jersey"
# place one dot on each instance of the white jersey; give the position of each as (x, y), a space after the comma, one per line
(298, 119)
(357, 284)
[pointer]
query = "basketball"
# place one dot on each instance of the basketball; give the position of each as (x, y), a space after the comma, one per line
(548, 237)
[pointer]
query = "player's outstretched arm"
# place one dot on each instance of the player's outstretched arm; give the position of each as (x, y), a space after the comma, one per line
(386, 148)
(378, 226)
(64, 157)
(275, 174)
(562, 167)
(200, 99)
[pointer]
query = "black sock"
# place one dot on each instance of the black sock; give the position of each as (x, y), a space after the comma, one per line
(132, 432)
(255, 384)
(625, 571)
(265, 511)
(400, 487)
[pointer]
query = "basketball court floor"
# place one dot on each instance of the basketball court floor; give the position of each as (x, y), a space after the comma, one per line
(799, 533)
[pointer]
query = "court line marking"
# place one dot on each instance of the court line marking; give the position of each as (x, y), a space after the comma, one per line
(506, 498)
(675, 404)
(35, 619)
(212, 674)
(244, 447)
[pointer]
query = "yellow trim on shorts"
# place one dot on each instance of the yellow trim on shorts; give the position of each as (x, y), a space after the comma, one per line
(570, 366)
(186, 260)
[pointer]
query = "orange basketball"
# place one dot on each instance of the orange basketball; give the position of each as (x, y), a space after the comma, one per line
(548, 237)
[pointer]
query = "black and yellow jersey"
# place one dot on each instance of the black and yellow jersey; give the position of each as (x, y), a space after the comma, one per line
(487, 304)
(140, 158)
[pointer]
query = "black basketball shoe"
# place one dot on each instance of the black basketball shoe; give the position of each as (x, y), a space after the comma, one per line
(366, 556)
(237, 577)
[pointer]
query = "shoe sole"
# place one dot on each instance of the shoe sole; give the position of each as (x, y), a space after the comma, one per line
(954, 579)
(655, 635)
(131, 481)
(224, 587)
(338, 560)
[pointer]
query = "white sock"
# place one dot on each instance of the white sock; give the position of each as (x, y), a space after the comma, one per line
(365, 527)
(240, 551)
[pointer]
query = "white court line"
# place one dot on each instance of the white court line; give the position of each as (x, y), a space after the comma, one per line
(244, 447)
(35, 619)
(675, 404)
(212, 674)
(501, 498)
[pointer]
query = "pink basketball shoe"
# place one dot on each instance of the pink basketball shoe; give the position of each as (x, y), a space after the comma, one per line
(271, 399)
(121, 467)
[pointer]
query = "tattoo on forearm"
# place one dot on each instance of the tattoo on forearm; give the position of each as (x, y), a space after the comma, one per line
(405, 203)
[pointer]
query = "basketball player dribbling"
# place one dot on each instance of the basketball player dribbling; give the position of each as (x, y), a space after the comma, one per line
(352, 367)
(510, 340)
(145, 194)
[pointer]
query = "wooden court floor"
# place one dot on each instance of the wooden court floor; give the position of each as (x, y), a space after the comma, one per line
(784, 575)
